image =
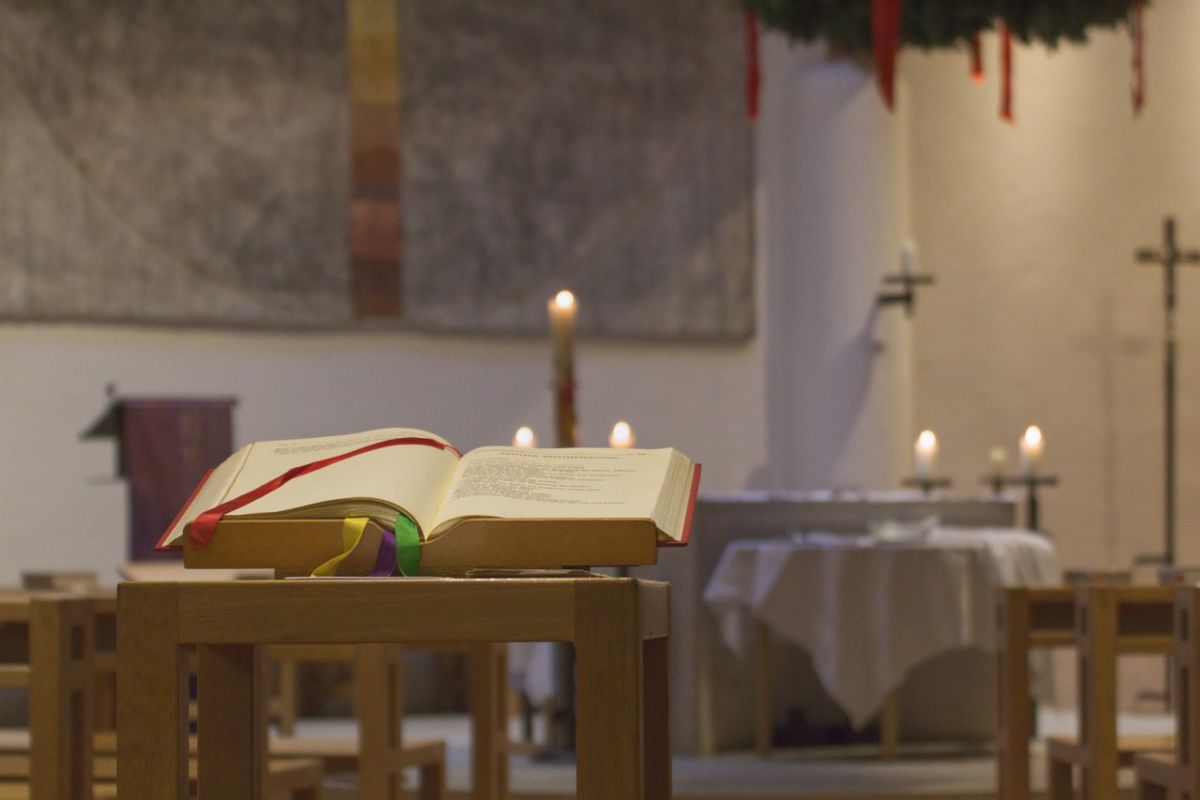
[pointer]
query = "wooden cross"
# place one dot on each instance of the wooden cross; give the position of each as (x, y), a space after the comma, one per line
(1170, 257)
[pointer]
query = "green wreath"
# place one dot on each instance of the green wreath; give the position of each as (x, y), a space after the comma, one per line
(929, 24)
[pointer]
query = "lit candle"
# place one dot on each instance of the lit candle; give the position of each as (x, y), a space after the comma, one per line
(1032, 445)
(997, 458)
(925, 454)
(562, 338)
(524, 437)
(621, 436)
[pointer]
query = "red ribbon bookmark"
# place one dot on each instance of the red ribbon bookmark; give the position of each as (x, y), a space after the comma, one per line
(204, 527)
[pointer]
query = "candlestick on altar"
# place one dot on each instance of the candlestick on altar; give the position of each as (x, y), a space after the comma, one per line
(562, 310)
(1031, 481)
(1032, 445)
(925, 452)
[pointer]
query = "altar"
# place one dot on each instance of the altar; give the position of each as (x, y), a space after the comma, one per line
(867, 609)
(711, 687)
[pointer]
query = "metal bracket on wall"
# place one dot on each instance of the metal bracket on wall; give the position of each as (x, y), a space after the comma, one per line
(907, 295)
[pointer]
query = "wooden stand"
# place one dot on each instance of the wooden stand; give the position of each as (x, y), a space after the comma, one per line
(619, 628)
(1160, 776)
(297, 547)
(1109, 621)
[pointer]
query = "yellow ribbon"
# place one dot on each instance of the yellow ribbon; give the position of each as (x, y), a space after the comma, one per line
(352, 534)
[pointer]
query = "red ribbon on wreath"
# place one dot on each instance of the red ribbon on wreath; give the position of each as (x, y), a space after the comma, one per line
(1006, 104)
(885, 39)
(976, 59)
(1139, 42)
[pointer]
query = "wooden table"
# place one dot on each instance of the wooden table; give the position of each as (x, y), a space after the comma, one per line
(619, 628)
(1118, 619)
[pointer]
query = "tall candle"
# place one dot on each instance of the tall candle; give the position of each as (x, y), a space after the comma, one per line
(562, 310)
(524, 437)
(1032, 445)
(925, 454)
(621, 436)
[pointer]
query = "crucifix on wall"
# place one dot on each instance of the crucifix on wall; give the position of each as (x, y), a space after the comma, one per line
(1169, 257)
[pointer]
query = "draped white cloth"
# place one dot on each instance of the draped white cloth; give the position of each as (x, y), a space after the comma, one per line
(868, 612)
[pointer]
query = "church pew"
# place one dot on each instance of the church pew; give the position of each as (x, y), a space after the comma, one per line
(58, 676)
(1109, 621)
(61, 635)
(1177, 774)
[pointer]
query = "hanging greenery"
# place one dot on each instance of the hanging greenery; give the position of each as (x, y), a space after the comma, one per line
(846, 24)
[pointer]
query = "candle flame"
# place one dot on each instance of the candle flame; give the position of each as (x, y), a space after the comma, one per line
(1033, 436)
(621, 436)
(524, 437)
(927, 440)
(564, 299)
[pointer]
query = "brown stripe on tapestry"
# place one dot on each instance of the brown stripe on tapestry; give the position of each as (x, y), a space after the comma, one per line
(375, 227)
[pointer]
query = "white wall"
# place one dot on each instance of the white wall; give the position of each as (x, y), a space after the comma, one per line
(1040, 314)
(832, 170)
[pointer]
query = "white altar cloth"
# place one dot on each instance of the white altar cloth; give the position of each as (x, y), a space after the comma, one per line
(869, 612)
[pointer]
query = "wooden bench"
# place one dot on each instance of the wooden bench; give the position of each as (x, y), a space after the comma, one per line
(1177, 774)
(618, 626)
(1109, 621)
(58, 675)
(20, 750)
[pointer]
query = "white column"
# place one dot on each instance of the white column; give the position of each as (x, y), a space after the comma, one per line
(833, 204)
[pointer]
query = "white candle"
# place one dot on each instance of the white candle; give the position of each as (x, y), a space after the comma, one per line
(562, 333)
(524, 437)
(997, 458)
(621, 436)
(908, 257)
(1032, 445)
(925, 454)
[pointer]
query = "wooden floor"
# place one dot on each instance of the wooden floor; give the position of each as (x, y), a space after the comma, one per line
(924, 772)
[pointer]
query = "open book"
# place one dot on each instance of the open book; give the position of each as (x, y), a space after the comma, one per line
(380, 474)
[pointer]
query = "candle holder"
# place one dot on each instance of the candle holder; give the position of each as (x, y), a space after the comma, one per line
(1031, 482)
(926, 484)
(907, 294)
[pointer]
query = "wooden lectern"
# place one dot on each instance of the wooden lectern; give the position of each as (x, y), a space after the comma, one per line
(164, 447)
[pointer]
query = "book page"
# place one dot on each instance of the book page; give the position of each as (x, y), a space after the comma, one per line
(563, 483)
(411, 477)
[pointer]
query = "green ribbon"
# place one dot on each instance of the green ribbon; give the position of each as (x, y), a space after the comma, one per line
(408, 546)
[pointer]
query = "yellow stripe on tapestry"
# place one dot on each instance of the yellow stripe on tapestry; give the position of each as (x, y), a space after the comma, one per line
(353, 529)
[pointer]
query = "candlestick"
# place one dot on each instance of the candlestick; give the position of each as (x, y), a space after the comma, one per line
(621, 436)
(1032, 445)
(925, 454)
(562, 310)
(524, 437)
